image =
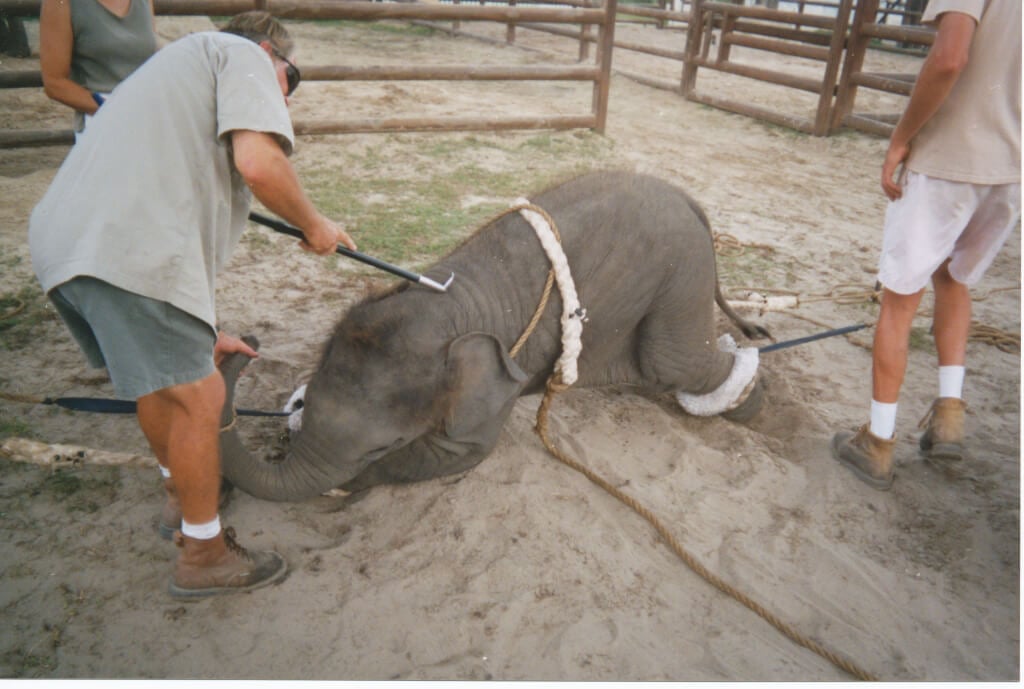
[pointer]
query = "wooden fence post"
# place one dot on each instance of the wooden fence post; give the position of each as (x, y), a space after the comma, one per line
(585, 35)
(835, 56)
(693, 36)
(510, 28)
(856, 49)
(605, 43)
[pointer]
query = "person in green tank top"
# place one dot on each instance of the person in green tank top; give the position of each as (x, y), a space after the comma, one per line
(87, 47)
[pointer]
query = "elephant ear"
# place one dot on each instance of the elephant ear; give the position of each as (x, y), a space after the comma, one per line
(484, 381)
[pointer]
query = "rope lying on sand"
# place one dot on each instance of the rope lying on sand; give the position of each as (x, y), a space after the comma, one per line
(555, 384)
(773, 299)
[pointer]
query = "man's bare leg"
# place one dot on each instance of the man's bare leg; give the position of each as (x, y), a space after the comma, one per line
(182, 424)
(952, 321)
(892, 342)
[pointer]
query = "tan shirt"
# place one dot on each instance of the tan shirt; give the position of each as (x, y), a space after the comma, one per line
(150, 200)
(975, 135)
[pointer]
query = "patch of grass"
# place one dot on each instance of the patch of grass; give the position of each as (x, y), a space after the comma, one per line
(405, 199)
(14, 428)
(22, 316)
(82, 491)
(753, 268)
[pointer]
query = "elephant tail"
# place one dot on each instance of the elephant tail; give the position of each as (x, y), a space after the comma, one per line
(751, 330)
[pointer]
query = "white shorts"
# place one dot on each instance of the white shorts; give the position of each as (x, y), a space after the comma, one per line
(936, 220)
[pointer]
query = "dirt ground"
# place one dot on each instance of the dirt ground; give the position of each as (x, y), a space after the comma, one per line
(521, 569)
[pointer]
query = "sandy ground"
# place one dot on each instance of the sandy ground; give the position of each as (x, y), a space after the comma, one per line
(521, 569)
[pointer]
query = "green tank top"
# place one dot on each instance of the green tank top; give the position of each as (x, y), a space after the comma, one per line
(108, 48)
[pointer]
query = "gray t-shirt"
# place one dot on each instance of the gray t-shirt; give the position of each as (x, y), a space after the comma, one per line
(150, 200)
(108, 48)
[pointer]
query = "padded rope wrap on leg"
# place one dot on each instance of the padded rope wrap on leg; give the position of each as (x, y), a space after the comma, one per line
(573, 315)
(733, 391)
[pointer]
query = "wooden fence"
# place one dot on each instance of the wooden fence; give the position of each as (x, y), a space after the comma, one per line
(866, 28)
(598, 74)
(816, 37)
(838, 44)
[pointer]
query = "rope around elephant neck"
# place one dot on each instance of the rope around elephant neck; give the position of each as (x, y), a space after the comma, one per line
(555, 385)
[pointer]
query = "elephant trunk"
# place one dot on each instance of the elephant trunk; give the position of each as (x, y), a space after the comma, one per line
(301, 475)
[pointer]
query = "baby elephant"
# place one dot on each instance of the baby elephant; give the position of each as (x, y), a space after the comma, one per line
(414, 384)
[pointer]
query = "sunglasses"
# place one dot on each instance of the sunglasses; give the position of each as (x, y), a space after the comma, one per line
(291, 73)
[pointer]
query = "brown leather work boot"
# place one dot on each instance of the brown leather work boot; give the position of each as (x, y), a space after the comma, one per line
(866, 455)
(170, 514)
(220, 565)
(943, 426)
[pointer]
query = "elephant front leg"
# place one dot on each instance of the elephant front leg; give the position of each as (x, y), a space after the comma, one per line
(429, 457)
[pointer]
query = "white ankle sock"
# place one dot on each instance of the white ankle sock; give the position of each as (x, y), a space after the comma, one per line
(203, 532)
(883, 419)
(951, 381)
(164, 471)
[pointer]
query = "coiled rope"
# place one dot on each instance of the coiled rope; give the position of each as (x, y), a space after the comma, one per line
(554, 386)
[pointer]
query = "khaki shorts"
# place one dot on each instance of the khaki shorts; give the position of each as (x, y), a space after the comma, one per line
(937, 220)
(145, 344)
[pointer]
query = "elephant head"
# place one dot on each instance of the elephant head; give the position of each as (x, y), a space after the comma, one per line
(387, 404)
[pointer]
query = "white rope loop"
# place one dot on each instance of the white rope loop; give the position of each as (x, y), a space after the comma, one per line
(573, 314)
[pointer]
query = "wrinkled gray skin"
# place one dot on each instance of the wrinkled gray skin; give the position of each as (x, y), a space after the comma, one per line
(414, 384)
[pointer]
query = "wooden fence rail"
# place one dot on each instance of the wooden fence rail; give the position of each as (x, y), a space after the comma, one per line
(799, 43)
(838, 43)
(572, 12)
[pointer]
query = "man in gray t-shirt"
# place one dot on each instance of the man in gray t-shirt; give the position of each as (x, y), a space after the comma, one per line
(129, 238)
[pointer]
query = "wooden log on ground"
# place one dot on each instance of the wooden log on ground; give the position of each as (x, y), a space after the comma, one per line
(792, 122)
(60, 455)
(901, 84)
(871, 125)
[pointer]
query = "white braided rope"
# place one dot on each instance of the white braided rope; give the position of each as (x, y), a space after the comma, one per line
(573, 315)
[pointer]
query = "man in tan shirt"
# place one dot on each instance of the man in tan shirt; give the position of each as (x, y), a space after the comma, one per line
(952, 174)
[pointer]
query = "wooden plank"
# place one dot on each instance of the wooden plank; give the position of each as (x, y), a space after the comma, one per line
(796, 18)
(792, 122)
(448, 73)
(771, 76)
(901, 84)
(775, 45)
(442, 124)
(24, 138)
(359, 10)
(21, 79)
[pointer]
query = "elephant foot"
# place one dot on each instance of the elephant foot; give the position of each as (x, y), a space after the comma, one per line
(739, 398)
(749, 407)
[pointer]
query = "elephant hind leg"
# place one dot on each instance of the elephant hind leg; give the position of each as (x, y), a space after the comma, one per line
(709, 375)
(681, 353)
